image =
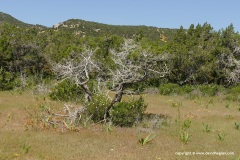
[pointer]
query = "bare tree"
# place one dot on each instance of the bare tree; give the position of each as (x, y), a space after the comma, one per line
(132, 64)
(230, 63)
(78, 69)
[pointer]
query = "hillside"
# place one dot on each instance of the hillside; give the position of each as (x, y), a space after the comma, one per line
(11, 20)
(86, 28)
(6, 18)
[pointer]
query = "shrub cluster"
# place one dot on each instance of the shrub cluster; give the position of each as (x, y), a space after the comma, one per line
(97, 106)
(67, 91)
(125, 114)
(6, 80)
(233, 93)
(171, 89)
(207, 90)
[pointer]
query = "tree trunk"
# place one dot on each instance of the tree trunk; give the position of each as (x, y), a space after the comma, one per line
(88, 95)
(117, 98)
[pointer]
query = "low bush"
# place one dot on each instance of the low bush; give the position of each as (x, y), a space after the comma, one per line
(210, 90)
(169, 89)
(233, 93)
(207, 90)
(125, 114)
(97, 107)
(7, 80)
(67, 91)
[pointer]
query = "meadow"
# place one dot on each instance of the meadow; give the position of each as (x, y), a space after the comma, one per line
(198, 128)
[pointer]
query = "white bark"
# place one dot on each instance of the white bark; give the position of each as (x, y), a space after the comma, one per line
(78, 70)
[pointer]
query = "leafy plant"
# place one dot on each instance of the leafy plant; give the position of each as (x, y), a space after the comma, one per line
(168, 89)
(207, 128)
(147, 139)
(228, 105)
(125, 114)
(211, 101)
(229, 116)
(210, 90)
(221, 136)
(7, 80)
(66, 91)
(237, 125)
(25, 148)
(176, 104)
(233, 93)
(184, 136)
(187, 123)
(97, 107)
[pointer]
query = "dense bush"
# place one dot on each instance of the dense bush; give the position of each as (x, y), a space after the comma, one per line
(210, 90)
(233, 93)
(97, 107)
(7, 80)
(66, 91)
(125, 114)
(169, 89)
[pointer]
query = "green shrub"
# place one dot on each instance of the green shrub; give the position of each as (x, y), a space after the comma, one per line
(233, 93)
(168, 89)
(7, 80)
(97, 107)
(210, 90)
(124, 114)
(67, 91)
(186, 89)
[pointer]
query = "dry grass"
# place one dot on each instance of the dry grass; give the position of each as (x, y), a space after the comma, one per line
(94, 142)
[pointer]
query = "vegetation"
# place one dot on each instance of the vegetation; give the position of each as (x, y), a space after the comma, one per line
(91, 77)
(125, 114)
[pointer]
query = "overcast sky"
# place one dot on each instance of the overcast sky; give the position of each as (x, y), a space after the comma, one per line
(159, 13)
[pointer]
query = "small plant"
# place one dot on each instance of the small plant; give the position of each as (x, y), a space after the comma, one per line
(237, 125)
(228, 105)
(176, 104)
(221, 136)
(207, 128)
(210, 101)
(184, 137)
(25, 148)
(229, 116)
(147, 139)
(108, 126)
(187, 123)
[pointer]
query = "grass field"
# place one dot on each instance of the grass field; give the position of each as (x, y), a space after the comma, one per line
(204, 125)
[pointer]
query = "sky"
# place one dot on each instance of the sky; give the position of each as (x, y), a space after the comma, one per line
(157, 13)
